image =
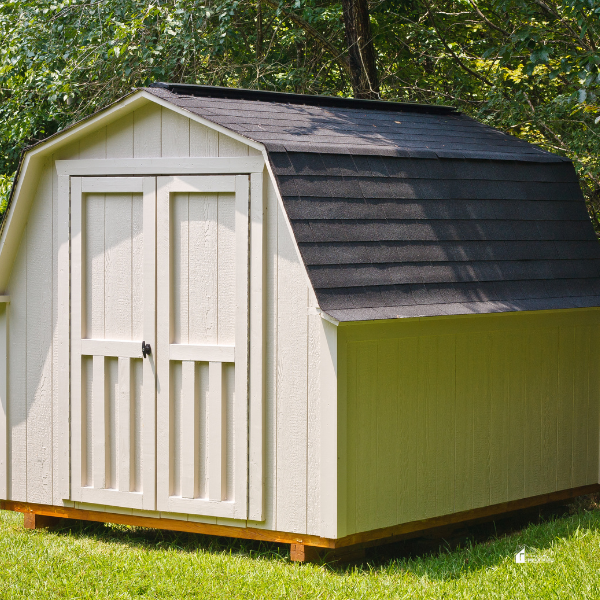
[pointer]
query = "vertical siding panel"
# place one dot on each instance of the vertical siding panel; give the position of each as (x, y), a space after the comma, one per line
(118, 266)
(516, 415)
(126, 419)
(147, 131)
(226, 273)
(292, 415)
(17, 379)
(87, 382)
(426, 426)
(499, 418)
(202, 389)
(119, 138)
(533, 414)
(386, 410)
(593, 369)
(313, 504)
(180, 256)
(39, 343)
(69, 152)
(463, 494)
(94, 265)
(217, 433)
(203, 140)
(566, 341)
(580, 405)
(407, 492)
(93, 145)
(366, 433)
(228, 399)
(175, 137)
(480, 348)
(445, 427)
(271, 360)
(175, 423)
(342, 384)
(137, 268)
(230, 147)
(351, 427)
(549, 385)
(111, 375)
(203, 266)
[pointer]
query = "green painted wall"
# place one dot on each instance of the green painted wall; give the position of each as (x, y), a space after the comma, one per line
(440, 415)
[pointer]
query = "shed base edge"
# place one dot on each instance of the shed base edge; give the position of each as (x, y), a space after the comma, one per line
(304, 548)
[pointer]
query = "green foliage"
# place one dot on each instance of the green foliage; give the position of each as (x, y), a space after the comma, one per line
(529, 67)
(101, 561)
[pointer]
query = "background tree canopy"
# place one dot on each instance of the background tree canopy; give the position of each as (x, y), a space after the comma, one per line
(528, 67)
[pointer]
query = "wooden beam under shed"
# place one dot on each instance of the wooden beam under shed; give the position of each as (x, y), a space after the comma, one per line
(303, 548)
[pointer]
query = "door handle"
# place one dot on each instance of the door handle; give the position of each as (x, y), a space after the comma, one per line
(146, 349)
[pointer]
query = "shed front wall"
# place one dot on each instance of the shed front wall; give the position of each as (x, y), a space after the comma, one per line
(293, 336)
(442, 415)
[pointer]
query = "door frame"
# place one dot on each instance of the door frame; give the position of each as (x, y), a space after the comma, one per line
(254, 166)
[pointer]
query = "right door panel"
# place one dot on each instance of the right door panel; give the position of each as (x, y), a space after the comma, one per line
(202, 352)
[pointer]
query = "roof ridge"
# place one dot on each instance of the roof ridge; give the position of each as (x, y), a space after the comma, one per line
(212, 91)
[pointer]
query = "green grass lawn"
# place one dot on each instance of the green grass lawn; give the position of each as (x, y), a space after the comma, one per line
(105, 561)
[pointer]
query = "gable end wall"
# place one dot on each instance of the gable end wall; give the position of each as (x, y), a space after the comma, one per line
(294, 337)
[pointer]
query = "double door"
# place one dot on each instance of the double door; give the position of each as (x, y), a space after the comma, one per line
(159, 343)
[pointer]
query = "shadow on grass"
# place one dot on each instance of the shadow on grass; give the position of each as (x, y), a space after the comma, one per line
(454, 552)
(444, 553)
(160, 539)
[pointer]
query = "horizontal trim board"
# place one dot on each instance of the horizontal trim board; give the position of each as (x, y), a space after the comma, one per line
(123, 349)
(202, 353)
(111, 497)
(112, 185)
(4, 299)
(206, 184)
(370, 538)
(161, 166)
(199, 506)
(472, 323)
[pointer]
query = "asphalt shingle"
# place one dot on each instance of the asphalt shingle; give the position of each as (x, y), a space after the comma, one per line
(404, 211)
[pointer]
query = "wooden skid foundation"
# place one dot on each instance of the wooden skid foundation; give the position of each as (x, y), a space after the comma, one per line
(36, 521)
(303, 548)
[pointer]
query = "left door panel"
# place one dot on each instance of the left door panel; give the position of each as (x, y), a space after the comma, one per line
(113, 311)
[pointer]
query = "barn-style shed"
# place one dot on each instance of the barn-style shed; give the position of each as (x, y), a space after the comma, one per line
(319, 321)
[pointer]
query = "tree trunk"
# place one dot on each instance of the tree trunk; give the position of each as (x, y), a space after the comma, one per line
(363, 72)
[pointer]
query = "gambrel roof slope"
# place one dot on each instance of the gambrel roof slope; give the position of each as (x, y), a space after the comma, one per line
(404, 211)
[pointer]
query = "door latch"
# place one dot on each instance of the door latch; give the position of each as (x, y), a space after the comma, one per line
(146, 349)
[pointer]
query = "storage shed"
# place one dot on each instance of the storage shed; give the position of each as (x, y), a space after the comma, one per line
(318, 321)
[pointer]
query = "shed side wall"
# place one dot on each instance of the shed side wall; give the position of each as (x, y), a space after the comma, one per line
(442, 415)
(293, 337)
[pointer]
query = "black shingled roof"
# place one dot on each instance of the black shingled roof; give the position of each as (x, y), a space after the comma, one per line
(407, 210)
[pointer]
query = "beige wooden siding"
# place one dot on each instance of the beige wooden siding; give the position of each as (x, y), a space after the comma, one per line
(293, 338)
(442, 415)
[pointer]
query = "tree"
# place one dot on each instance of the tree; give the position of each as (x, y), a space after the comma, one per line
(361, 52)
(528, 67)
